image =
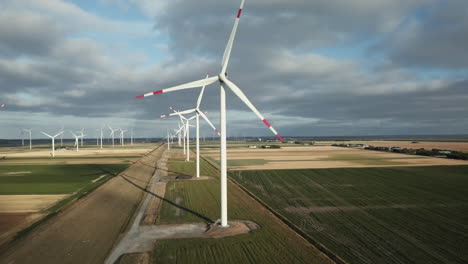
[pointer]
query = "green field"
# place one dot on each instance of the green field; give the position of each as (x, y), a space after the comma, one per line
(374, 215)
(53, 179)
(199, 202)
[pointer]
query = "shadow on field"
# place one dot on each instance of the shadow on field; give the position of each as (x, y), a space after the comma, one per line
(208, 220)
(104, 170)
(176, 172)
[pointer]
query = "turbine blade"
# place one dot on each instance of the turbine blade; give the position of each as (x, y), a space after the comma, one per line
(227, 51)
(189, 85)
(246, 101)
(182, 118)
(201, 93)
(58, 134)
(46, 134)
(209, 122)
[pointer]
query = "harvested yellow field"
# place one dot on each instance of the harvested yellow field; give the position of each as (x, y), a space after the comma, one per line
(459, 146)
(27, 203)
(312, 157)
(81, 153)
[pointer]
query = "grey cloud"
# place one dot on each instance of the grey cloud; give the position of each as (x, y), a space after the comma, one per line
(26, 33)
(299, 91)
(435, 39)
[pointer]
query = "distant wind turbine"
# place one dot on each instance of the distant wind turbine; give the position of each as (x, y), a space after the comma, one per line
(30, 139)
(112, 134)
(77, 142)
(53, 141)
(122, 132)
(82, 136)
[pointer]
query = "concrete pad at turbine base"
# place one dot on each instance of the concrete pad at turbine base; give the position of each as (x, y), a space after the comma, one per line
(233, 228)
(144, 237)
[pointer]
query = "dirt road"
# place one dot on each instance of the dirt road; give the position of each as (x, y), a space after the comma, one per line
(86, 231)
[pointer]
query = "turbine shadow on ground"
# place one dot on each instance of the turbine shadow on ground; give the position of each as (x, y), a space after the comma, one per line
(176, 172)
(206, 219)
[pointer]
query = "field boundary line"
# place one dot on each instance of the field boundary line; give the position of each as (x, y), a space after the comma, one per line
(284, 220)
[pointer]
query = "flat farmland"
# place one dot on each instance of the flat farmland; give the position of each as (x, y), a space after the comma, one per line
(321, 157)
(373, 215)
(84, 231)
(459, 146)
(198, 201)
(53, 179)
(30, 192)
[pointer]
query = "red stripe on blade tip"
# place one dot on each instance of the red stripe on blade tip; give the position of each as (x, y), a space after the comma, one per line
(217, 131)
(168, 115)
(266, 123)
(158, 92)
(140, 96)
(239, 13)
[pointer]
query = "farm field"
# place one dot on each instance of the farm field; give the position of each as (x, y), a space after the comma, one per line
(459, 146)
(53, 179)
(320, 157)
(373, 215)
(85, 230)
(92, 151)
(199, 202)
(30, 192)
(33, 185)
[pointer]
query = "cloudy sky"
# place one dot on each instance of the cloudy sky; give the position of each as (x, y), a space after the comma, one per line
(313, 68)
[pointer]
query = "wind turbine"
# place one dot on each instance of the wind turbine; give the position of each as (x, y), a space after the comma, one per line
(223, 81)
(61, 137)
(53, 141)
(97, 138)
(112, 134)
(178, 132)
(131, 136)
(30, 139)
(82, 136)
(22, 136)
(122, 132)
(77, 142)
(168, 140)
(197, 115)
(101, 135)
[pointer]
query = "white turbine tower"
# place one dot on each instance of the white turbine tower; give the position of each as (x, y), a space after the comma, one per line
(82, 136)
(168, 140)
(131, 136)
(77, 140)
(102, 133)
(112, 134)
(22, 136)
(53, 141)
(61, 136)
(30, 139)
(223, 81)
(122, 132)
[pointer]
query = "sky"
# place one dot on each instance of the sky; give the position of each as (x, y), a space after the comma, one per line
(312, 68)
